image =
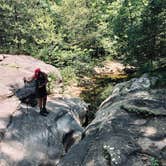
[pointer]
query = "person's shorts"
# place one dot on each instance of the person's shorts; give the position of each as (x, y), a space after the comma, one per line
(41, 92)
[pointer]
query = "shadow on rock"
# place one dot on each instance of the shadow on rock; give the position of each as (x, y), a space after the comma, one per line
(42, 140)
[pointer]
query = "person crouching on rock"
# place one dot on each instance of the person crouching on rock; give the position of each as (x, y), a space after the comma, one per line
(41, 80)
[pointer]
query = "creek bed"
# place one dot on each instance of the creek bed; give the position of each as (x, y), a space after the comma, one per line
(97, 89)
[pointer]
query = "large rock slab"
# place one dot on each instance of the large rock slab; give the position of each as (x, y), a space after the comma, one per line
(26, 137)
(32, 139)
(129, 129)
(13, 68)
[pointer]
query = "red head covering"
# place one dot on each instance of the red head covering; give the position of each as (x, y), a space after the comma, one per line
(37, 71)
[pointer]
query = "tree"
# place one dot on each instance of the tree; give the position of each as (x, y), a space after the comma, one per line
(153, 31)
(25, 25)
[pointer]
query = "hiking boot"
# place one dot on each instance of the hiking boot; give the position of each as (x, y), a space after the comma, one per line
(42, 113)
(45, 111)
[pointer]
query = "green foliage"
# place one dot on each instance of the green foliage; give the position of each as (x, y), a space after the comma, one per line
(106, 92)
(25, 25)
(68, 75)
(77, 33)
(160, 73)
(139, 28)
(51, 82)
(154, 162)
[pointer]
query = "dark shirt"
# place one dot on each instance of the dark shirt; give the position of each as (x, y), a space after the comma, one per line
(41, 85)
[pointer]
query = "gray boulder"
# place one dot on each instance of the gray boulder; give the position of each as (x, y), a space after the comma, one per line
(129, 129)
(32, 139)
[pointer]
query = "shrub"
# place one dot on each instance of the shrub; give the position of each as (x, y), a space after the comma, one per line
(68, 75)
(51, 82)
(154, 162)
(107, 92)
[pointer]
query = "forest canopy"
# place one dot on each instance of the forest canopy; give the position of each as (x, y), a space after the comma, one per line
(62, 31)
